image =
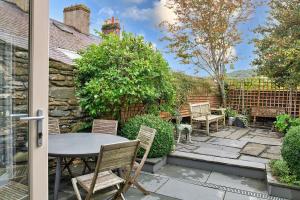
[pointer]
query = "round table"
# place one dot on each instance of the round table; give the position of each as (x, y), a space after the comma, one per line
(76, 145)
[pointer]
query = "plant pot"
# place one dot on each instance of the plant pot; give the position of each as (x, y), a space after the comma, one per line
(230, 121)
(239, 123)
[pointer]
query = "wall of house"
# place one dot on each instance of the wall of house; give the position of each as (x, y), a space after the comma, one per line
(62, 101)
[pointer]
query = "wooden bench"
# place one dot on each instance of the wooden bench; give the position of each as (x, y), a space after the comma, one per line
(201, 112)
(266, 112)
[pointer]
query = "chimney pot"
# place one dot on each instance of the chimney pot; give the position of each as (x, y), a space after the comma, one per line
(78, 16)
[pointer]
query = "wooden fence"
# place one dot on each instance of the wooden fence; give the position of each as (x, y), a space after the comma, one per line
(243, 95)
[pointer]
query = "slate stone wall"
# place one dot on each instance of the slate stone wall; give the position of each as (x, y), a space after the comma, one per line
(62, 101)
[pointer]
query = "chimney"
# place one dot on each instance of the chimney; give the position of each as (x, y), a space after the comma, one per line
(78, 16)
(22, 4)
(111, 26)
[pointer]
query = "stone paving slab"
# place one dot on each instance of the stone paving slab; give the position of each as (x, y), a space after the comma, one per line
(238, 134)
(263, 140)
(216, 150)
(270, 156)
(254, 159)
(134, 194)
(152, 183)
(242, 183)
(253, 149)
(222, 133)
(227, 142)
(184, 173)
(187, 191)
(274, 149)
(200, 138)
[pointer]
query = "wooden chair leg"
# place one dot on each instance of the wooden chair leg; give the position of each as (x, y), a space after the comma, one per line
(207, 127)
(74, 183)
(141, 188)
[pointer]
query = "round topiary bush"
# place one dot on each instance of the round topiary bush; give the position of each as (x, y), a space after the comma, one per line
(291, 150)
(164, 138)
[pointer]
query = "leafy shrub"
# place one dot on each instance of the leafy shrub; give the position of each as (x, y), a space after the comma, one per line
(284, 122)
(122, 71)
(281, 170)
(291, 150)
(229, 112)
(164, 138)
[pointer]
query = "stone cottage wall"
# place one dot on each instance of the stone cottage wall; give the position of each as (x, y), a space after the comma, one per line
(62, 101)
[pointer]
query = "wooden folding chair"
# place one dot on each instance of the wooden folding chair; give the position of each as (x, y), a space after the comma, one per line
(105, 126)
(111, 157)
(146, 136)
(53, 129)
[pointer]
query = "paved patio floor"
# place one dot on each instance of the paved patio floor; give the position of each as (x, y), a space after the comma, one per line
(248, 144)
(174, 183)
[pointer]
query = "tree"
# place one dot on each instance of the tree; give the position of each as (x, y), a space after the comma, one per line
(278, 44)
(122, 71)
(205, 32)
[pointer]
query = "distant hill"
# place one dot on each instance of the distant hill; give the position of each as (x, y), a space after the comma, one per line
(241, 74)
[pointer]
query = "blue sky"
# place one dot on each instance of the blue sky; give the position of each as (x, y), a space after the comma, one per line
(142, 16)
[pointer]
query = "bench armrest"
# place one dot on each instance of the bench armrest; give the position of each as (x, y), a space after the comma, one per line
(218, 110)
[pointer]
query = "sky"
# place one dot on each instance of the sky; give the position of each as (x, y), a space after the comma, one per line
(141, 17)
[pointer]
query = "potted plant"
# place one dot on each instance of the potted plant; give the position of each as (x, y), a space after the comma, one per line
(230, 115)
(241, 121)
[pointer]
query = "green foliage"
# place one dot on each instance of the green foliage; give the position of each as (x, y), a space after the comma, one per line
(110, 26)
(121, 71)
(278, 46)
(164, 138)
(185, 85)
(243, 119)
(291, 150)
(81, 127)
(229, 112)
(281, 170)
(284, 122)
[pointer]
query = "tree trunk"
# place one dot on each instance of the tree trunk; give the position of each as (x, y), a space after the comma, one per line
(221, 84)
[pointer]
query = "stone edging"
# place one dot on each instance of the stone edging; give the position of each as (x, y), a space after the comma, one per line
(275, 188)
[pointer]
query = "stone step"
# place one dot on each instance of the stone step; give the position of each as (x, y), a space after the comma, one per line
(218, 164)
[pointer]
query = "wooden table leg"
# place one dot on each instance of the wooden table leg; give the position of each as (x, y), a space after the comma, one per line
(57, 177)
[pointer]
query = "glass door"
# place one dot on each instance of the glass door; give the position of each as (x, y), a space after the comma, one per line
(22, 144)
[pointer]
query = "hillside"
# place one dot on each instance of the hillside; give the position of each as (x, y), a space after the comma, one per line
(241, 74)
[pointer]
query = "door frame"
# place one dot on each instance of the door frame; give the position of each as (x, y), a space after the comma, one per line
(38, 97)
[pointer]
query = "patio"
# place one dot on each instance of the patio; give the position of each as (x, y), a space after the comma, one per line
(253, 145)
(174, 183)
(242, 144)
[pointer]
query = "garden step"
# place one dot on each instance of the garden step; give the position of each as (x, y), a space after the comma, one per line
(223, 165)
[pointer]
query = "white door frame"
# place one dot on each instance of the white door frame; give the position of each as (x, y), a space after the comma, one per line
(38, 97)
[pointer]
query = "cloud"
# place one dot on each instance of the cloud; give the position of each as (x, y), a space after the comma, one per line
(162, 12)
(134, 1)
(158, 13)
(106, 11)
(137, 14)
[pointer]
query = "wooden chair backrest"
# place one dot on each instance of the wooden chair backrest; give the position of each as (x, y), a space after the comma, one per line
(53, 126)
(116, 156)
(200, 109)
(105, 126)
(146, 137)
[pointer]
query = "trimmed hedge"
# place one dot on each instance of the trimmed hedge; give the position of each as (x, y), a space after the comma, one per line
(164, 138)
(291, 150)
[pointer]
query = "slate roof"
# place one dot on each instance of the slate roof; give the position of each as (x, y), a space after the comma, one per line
(63, 38)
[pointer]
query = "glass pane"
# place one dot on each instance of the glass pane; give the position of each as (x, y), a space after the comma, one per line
(14, 71)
